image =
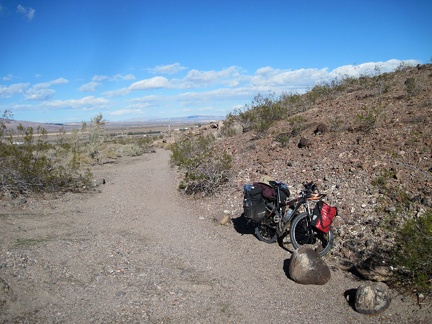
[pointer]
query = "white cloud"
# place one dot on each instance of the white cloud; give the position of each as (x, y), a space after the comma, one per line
(369, 69)
(13, 89)
(219, 90)
(117, 77)
(41, 91)
(270, 77)
(146, 98)
(85, 102)
(139, 105)
(123, 112)
(7, 77)
(167, 69)
(59, 81)
(89, 87)
(50, 83)
(26, 11)
(125, 77)
(205, 78)
(149, 84)
(299, 80)
(117, 93)
(98, 78)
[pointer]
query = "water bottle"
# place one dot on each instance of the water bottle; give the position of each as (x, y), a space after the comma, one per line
(287, 215)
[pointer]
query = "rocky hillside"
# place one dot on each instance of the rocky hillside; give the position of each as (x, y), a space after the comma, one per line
(367, 142)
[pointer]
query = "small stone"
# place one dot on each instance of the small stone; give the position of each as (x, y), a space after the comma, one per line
(225, 220)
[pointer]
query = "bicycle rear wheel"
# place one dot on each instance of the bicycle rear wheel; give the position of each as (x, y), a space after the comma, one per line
(302, 233)
(266, 233)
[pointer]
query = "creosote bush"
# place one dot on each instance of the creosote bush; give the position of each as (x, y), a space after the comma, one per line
(412, 253)
(31, 164)
(264, 110)
(368, 118)
(27, 168)
(205, 167)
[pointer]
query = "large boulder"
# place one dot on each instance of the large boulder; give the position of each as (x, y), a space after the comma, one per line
(307, 267)
(372, 298)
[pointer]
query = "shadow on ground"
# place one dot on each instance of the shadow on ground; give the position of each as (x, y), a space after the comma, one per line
(242, 226)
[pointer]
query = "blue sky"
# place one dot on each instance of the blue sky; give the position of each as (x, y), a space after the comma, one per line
(64, 61)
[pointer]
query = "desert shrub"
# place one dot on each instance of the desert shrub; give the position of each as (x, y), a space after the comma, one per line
(412, 87)
(231, 127)
(297, 125)
(403, 66)
(32, 165)
(295, 103)
(205, 167)
(263, 111)
(26, 169)
(392, 194)
(331, 88)
(412, 252)
(143, 143)
(130, 150)
(336, 124)
(283, 138)
(368, 119)
(382, 83)
(6, 116)
(321, 90)
(96, 136)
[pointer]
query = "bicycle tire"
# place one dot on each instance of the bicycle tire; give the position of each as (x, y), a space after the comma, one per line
(301, 233)
(265, 233)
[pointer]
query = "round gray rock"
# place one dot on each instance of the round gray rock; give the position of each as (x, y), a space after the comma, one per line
(307, 267)
(372, 298)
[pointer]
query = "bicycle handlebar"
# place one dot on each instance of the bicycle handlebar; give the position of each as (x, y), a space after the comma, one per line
(309, 189)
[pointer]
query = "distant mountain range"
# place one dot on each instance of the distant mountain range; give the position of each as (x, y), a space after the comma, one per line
(177, 120)
(186, 120)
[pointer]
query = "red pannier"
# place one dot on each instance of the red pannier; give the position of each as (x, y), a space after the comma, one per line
(322, 216)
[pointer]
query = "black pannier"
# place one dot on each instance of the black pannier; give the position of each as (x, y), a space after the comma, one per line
(284, 193)
(270, 193)
(253, 203)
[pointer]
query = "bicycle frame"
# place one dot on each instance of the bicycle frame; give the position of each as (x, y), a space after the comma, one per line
(278, 223)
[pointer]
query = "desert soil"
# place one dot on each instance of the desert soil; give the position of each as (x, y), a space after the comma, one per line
(136, 251)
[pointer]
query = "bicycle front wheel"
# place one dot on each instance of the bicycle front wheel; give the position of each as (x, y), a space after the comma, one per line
(302, 233)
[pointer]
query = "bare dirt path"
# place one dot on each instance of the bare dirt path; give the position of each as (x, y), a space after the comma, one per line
(139, 252)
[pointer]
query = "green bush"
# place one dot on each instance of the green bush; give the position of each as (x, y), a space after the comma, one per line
(263, 111)
(229, 127)
(412, 253)
(368, 119)
(27, 169)
(205, 166)
(411, 87)
(30, 164)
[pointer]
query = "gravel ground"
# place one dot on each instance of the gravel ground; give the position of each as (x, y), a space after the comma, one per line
(136, 251)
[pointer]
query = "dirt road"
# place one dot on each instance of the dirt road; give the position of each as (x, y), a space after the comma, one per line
(139, 252)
